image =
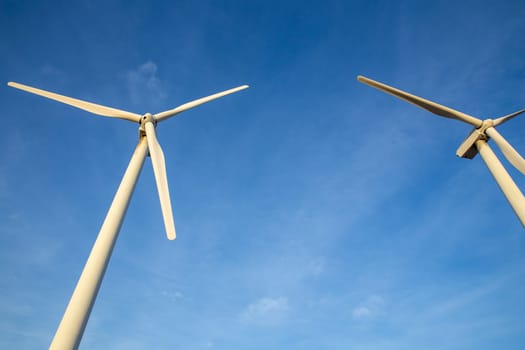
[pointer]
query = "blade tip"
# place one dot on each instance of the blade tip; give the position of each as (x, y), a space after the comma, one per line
(171, 233)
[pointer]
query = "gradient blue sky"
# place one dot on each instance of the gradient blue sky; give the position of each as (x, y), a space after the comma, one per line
(313, 212)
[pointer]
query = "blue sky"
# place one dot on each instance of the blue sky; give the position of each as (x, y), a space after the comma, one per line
(312, 212)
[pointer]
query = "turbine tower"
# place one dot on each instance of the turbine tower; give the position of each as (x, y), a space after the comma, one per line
(71, 328)
(476, 142)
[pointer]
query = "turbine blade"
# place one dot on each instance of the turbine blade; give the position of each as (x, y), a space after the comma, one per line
(507, 117)
(87, 106)
(195, 103)
(430, 106)
(159, 169)
(506, 148)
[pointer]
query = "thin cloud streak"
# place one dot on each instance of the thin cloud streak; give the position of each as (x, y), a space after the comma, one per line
(145, 86)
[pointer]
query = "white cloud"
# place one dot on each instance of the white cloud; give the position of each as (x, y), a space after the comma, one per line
(370, 308)
(361, 312)
(316, 266)
(172, 295)
(53, 73)
(266, 310)
(144, 85)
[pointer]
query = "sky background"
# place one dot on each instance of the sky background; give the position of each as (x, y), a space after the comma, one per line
(312, 211)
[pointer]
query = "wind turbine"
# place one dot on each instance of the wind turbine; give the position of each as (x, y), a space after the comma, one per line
(476, 142)
(71, 328)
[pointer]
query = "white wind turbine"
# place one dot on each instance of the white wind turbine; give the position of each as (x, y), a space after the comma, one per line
(71, 328)
(475, 142)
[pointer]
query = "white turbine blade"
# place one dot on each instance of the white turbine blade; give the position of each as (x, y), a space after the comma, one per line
(195, 103)
(430, 106)
(87, 106)
(507, 117)
(506, 148)
(159, 169)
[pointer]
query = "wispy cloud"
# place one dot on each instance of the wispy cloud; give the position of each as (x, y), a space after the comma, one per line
(316, 266)
(370, 308)
(144, 85)
(172, 295)
(266, 310)
(11, 160)
(53, 73)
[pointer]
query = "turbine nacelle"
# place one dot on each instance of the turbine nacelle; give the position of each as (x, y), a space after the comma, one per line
(468, 148)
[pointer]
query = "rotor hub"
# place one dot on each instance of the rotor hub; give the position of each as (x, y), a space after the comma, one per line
(487, 123)
(148, 117)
